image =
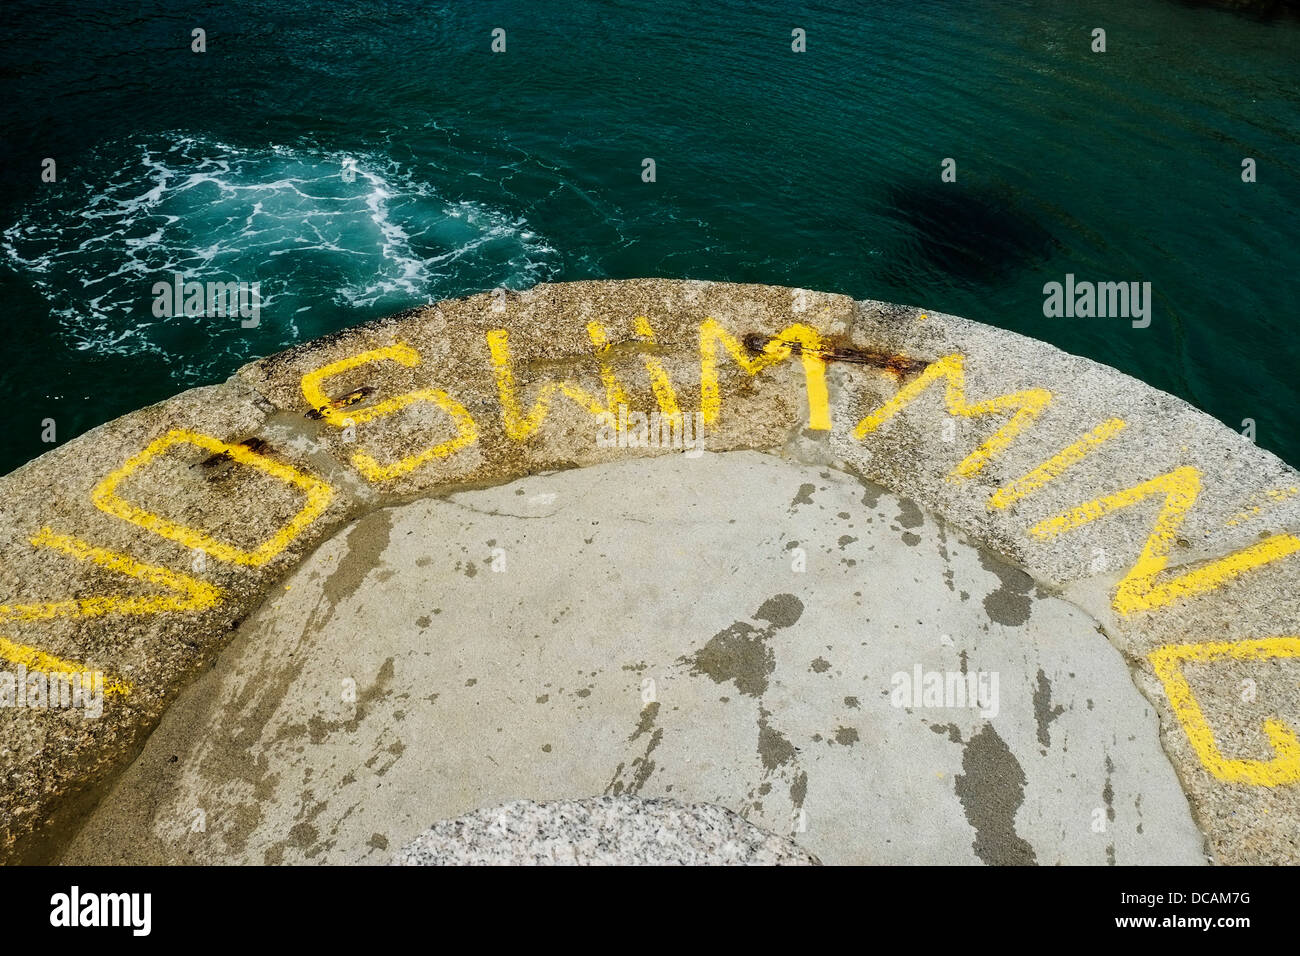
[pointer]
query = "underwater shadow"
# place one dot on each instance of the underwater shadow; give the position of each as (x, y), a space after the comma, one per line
(967, 234)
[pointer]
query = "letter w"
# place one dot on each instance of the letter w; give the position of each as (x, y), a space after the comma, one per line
(1028, 404)
(519, 425)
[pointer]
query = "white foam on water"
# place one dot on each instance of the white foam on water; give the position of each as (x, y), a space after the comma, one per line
(319, 245)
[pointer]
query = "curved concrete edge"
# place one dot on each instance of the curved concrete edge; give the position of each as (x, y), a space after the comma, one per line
(537, 639)
(136, 548)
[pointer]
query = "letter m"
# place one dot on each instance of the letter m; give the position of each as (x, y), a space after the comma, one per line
(1112, 291)
(225, 297)
(794, 338)
(118, 905)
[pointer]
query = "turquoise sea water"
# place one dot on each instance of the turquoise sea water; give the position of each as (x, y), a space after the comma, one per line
(475, 169)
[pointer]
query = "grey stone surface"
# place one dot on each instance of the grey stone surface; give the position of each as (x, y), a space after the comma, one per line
(725, 629)
(604, 831)
(1222, 546)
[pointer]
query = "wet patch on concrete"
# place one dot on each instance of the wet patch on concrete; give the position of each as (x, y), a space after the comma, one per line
(782, 610)
(1044, 712)
(738, 654)
(366, 542)
(991, 789)
(909, 514)
(774, 749)
(1010, 604)
(642, 766)
(803, 496)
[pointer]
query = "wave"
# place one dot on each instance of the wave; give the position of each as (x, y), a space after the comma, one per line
(327, 248)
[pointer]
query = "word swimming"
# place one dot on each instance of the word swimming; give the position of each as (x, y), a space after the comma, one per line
(656, 430)
(209, 299)
(947, 689)
(1085, 300)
